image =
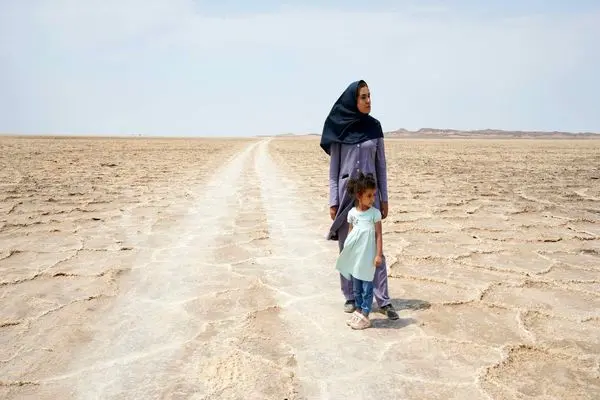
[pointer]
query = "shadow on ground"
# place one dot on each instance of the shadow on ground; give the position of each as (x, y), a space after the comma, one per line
(400, 305)
(384, 323)
(410, 304)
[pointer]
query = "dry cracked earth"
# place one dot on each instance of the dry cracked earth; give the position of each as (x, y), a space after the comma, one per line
(198, 269)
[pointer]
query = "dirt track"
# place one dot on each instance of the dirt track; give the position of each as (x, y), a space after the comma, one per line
(176, 282)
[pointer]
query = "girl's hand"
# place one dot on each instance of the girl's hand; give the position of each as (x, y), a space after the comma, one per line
(378, 261)
(333, 212)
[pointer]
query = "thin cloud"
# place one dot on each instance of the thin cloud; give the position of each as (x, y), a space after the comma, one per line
(167, 67)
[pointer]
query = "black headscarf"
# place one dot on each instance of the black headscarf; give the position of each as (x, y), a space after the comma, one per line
(345, 124)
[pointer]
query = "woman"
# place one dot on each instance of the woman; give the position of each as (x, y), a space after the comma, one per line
(354, 141)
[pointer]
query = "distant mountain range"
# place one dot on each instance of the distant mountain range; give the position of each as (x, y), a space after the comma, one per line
(484, 134)
(488, 133)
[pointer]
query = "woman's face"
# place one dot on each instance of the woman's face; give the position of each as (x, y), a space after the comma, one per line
(364, 100)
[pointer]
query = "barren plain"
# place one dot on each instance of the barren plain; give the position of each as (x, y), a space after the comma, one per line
(198, 269)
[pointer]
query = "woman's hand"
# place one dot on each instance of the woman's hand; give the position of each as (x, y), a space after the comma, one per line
(333, 211)
(384, 209)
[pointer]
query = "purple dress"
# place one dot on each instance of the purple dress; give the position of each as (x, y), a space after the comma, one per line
(346, 161)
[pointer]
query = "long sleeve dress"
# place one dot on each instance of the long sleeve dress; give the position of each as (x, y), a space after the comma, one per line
(345, 162)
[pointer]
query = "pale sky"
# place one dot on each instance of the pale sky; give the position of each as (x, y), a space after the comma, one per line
(183, 67)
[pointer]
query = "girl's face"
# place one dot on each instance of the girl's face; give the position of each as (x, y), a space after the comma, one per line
(367, 198)
(363, 102)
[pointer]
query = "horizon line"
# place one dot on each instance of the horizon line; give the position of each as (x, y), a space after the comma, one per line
(396, 131)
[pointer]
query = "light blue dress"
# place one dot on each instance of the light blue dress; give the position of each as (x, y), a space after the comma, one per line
(357, 258)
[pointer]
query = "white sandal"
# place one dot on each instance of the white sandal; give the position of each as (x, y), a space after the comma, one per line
(361, 322)
(355, 316)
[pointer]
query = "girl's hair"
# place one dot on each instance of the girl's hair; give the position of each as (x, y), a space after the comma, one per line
(358, 185)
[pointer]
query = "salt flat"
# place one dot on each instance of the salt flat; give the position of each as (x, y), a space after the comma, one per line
(198, 269)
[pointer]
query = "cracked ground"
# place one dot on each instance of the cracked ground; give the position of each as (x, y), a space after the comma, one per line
(172, 269)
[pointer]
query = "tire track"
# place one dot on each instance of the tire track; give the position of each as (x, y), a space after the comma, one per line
(309, 293)
(250, 357)
(194, 318)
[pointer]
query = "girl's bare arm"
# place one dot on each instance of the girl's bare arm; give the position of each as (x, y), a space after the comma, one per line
(379, 238)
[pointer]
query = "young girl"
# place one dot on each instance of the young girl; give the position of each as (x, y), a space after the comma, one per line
(363, 250)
